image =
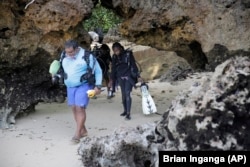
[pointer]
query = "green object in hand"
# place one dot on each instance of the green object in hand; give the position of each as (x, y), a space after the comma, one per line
(54, 67)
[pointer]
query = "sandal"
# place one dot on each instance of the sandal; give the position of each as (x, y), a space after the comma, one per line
(84, 135)
(75, 140)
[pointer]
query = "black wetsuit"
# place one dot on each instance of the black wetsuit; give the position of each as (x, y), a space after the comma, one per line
(104, 60)
(122, 65)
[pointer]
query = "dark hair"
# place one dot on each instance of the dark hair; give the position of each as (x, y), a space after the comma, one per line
(117, 45)
(71, 43)
(105, 48)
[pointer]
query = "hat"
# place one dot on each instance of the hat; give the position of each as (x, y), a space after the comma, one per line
(94, 36)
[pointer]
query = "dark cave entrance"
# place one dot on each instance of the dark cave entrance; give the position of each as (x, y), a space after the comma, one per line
(199, 59)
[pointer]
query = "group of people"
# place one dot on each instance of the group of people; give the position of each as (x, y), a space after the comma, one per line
(123, 71)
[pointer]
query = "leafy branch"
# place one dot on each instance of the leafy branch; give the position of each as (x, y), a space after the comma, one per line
(101, 18)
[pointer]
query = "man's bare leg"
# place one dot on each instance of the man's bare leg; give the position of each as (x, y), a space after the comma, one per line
(80, 122)
(74, 112)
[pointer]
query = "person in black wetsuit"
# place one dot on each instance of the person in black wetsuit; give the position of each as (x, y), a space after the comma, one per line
(125, 71)
(104, 59)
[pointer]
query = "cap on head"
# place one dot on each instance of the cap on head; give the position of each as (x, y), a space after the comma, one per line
(94, 36)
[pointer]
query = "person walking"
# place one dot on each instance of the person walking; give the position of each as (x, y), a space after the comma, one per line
(75, 66)
(104, 59)
(125, 71)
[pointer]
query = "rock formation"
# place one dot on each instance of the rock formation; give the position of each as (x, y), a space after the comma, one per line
(29, 40)
(177, 72)
(113, 35)
(128, 147)
(155, 64)
(212, 115)
(195, 30)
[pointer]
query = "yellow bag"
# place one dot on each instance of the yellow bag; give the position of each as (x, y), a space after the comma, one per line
(91, 93)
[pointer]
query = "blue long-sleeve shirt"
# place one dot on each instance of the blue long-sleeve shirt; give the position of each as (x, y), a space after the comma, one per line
(77, 66)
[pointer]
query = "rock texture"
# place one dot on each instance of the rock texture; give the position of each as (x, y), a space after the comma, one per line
(154, 64)
(113, 35)
(212, 115)
(177, 72)
(193, 29)
(29, 40)
(218, 50)
(128, 147)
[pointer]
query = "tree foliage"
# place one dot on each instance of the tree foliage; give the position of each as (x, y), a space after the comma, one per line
(101, 18)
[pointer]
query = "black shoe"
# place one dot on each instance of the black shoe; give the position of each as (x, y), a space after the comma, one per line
(123, 114)
(128, 117)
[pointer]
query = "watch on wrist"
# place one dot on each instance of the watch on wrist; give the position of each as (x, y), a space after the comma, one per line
(99, 86)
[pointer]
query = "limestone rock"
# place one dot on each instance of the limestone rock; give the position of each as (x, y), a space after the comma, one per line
(113, 35)
(215, 60)
(177, 72)
(155, 63)
(126, 147)
(29, 40)
(212, 115)
(190, 28)
(20, 92)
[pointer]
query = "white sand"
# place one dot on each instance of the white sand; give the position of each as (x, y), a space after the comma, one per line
(42, 139)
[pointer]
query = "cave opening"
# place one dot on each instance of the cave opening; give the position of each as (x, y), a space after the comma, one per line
(199, 58)
(106, 17)
(101, 18)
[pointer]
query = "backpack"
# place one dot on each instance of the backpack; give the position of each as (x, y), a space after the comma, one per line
(89, 76)
(134, 74)
(103, 57)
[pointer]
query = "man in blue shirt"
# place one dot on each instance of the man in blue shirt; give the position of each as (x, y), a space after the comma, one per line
(74, 66)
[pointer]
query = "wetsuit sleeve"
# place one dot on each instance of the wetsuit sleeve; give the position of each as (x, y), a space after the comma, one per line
(109, 58)
(97, 70)
(133, 64)
(113, 68)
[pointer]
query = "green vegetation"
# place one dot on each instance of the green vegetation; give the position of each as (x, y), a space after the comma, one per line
(101, 18)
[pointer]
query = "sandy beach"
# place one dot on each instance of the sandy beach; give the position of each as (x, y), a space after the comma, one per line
(42, 138)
